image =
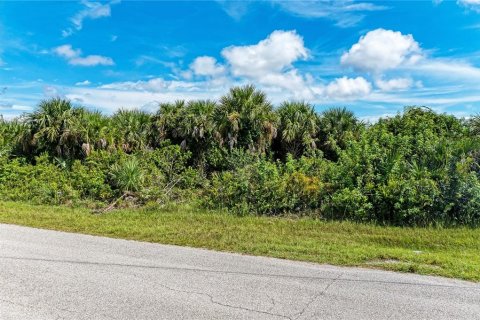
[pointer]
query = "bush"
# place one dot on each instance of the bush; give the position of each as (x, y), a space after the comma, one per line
(40, 183)
(127, 176)
(407, 171)
(270, 188)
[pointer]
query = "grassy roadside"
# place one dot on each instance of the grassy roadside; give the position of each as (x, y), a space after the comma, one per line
(445, 252)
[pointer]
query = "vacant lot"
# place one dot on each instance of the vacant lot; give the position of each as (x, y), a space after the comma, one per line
(445, 252)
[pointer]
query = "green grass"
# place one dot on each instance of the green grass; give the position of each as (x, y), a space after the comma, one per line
(445, 252)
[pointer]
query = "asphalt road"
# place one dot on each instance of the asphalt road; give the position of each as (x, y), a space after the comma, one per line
(55, 275)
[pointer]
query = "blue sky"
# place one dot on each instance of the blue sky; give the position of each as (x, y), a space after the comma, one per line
(373, 57)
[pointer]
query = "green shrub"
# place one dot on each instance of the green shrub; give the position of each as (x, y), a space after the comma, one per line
(271, 188)
(127, 176)
(39, 183)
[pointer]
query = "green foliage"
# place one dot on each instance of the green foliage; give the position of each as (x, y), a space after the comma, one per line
(407, 170)
(55, 128)
(127, 176)
(166, 123)
(131, 129)
(90, 182)
(40, 183)
(337, 126)
(297, 128)
(197, 129)
(266, 187)
(245, 119)
(416, 168)
(9, 130)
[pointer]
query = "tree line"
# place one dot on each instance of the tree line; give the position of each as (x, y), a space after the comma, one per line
(242, 154)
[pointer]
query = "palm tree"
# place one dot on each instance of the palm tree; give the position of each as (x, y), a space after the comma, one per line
(196, 128)
(131, 129)
(337, 125)
(245, 119)
(55, 127)
(166, 122)
(97, 131)
(8, 131)
(297, 128)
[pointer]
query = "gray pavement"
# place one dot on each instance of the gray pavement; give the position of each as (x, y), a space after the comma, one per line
(55, 275)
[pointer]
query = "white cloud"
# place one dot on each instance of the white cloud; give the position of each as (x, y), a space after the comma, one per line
(74, 57)
(388, 59)
(274, 54)
(152, 85)
(348, 88)
(111, 100)
(92, 10)
(270, 62)
(66, 51)
(394, 84)
(83, 83)
(380, 50)
(235, 9)
(453, 68)
(21, 107)
(345, 13)
(470, 4)
(92, 60)
(207, 66)
(50, 91)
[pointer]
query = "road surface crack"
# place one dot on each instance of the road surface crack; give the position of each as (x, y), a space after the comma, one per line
(313, 278)
(315, 297)
(213, 301)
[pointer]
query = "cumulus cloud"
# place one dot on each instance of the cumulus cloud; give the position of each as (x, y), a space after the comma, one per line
(74, 57)
(394, 84)
(273, 54)
(270, 61)
(66, 51)
(380, 50)
(91, 10)
(207, 66)
(348, 88)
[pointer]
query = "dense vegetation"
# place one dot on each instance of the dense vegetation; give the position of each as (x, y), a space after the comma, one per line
(242, 154)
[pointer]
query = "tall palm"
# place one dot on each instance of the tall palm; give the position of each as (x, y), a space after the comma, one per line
(337, 125)
(196, 128)
(166, 122)
(97, 131)
(131, 129)
(297, 128)
(55, 128)
(245, 119)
